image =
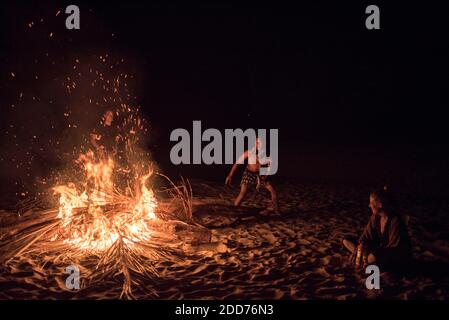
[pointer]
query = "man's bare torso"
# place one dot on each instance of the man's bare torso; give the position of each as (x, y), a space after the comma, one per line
(251, 166)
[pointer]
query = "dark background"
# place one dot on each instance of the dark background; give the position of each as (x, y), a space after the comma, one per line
(350, 104)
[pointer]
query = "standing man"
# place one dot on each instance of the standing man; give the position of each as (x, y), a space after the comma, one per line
(251, 176)
(105, 136)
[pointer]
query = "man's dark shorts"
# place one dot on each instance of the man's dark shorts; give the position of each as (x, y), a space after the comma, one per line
(250, 179)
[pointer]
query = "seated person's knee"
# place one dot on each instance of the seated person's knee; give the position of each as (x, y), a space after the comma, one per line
(371, 259)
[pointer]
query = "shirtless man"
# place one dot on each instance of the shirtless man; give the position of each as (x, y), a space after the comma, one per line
(251, 176)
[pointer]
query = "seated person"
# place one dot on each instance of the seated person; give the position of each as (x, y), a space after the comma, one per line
(385, 238)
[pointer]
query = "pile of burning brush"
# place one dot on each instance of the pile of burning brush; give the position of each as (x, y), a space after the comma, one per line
(104, 209)
(125, 231)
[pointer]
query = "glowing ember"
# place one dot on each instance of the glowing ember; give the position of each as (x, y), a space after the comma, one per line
(94, 217)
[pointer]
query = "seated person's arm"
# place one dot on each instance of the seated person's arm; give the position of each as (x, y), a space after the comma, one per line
(398, 241)
(369, 234)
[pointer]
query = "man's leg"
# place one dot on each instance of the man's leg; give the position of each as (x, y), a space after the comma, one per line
(274, 198)
(241, 196)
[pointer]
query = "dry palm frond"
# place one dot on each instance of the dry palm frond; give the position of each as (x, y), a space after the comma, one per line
(182, 197)
(130, 262)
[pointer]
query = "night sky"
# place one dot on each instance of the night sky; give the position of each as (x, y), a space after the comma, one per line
(345, 99)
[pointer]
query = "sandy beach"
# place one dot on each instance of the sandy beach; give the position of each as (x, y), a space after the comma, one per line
(260, 255)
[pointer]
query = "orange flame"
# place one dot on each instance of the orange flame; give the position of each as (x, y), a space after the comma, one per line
(95, 217)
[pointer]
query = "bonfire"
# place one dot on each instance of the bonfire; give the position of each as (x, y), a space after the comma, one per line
(123, 231)
(96, 217)
(106, 218)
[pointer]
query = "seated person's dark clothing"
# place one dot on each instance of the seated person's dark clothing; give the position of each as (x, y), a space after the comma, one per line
(391, 248)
